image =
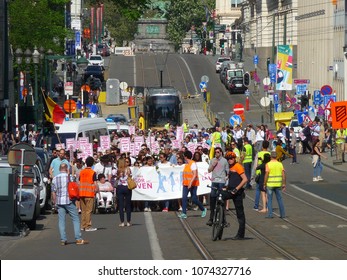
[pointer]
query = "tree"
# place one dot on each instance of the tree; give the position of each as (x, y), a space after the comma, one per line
(183, 14)
(38, 23)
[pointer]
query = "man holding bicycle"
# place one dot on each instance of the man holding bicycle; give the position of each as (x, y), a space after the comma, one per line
(236, 182)
(220, 168)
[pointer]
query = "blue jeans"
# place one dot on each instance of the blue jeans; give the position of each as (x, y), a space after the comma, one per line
(73, 213)
(317, 170)
(124, 196)
(248, 172)
(278, 194)
(257, 197)
(195, 199)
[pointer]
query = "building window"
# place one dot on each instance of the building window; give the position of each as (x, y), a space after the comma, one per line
(235, 3)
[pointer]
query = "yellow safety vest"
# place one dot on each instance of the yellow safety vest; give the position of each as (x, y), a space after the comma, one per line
(185, 128)
(167, 126)
(260, 161)
(248, 156)
(338, 134)
(275, 174)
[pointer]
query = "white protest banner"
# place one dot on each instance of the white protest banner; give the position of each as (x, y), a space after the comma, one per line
(83, 140)
(125, 145)
(105, 142)
(166, 182)
(86, 150)
(131, 130)
(60, 146)
(179, 133)
(71, 142)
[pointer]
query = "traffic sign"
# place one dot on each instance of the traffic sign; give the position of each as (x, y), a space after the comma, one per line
(278, 108)
(266, 81)
(265, 101)
(69, 106)
(123, 85)
(235, 120)
(255, 59)
(68, 88)
(311, 112)
(205, 79)
(276, 98)
(307, 120)
(202, 85)
(326, 90)
(301, 89)
(239, 109)
(328, 99)
(301, 81)
(273, 72)
(301, 117)
(317, 97)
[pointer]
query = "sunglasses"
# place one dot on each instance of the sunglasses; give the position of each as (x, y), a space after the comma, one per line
(217, 152)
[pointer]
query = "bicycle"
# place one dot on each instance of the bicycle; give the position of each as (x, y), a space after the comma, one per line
(219, 222)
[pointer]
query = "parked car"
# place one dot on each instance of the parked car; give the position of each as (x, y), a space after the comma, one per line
(117, 118)
(28, 197)
(96, 59)
(235, 85)
(94, 70)
(219, 62)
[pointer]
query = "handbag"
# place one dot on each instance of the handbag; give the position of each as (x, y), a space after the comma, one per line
(73, 190)
(131, 183)
(257, 178)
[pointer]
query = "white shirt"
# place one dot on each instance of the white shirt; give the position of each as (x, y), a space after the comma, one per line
(99, 169)
(259, 136)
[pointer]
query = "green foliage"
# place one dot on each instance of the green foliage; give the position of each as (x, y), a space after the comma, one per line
(37, 23)
(183, 14)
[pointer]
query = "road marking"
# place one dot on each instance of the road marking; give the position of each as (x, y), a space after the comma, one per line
(319, 197)
(190, 73)
(317, 226)
(283, 226)
(157, 254)
(341, 226)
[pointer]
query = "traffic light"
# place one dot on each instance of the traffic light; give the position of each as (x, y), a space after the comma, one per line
(221, 42)
(246, 79)
(304, 101)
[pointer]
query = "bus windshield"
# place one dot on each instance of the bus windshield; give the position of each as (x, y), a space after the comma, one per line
(163, 108)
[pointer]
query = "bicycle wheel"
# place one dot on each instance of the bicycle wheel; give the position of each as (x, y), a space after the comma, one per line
(217, 227)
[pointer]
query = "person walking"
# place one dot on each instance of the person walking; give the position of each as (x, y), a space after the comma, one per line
(260, 174)
(292, 145)
(341, 135)
(124, 195)
(236, 181)
(260, 183)
(220, 168)
(65, 206)
(275, 182)
(316, 160)
(88, 188)
(190, 185)
(247, 160)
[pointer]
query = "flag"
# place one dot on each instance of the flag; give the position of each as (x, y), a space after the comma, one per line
(53, 112)
(212, 148)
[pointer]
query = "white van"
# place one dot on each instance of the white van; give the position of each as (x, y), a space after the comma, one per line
(92, 128)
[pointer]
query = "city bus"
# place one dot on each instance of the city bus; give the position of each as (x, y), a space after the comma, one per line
(160, 105)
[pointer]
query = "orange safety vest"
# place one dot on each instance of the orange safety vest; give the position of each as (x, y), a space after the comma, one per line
(188, 175)
(87, 186)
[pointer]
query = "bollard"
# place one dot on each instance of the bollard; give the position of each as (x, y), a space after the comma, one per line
(247, 103)
(262, 119)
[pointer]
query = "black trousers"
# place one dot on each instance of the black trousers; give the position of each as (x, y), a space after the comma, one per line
(306, 145)
(240, 213)
(124, 197)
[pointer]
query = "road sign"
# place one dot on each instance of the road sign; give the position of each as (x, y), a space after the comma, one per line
(301, 117)
(339, 114)
(68, 88)
(123, 85)
(265, 101)
(317, 97)
(307, 120)
(311, 112)
(276, 98)
(301, 89)
(69, 106)
(239, 109)
(205, 79)
(247, 92)
(266, 81)
(235, 120)
(277, 108)
(327, 99)
(202, 85)
(326, 90)
(255, 59)
(301, 81)
(273, 72)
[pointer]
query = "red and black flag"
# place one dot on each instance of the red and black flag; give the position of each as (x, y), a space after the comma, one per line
(53, 112)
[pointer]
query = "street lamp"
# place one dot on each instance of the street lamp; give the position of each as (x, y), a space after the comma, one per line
(36, 60)
(160, 60)
(48, 71)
